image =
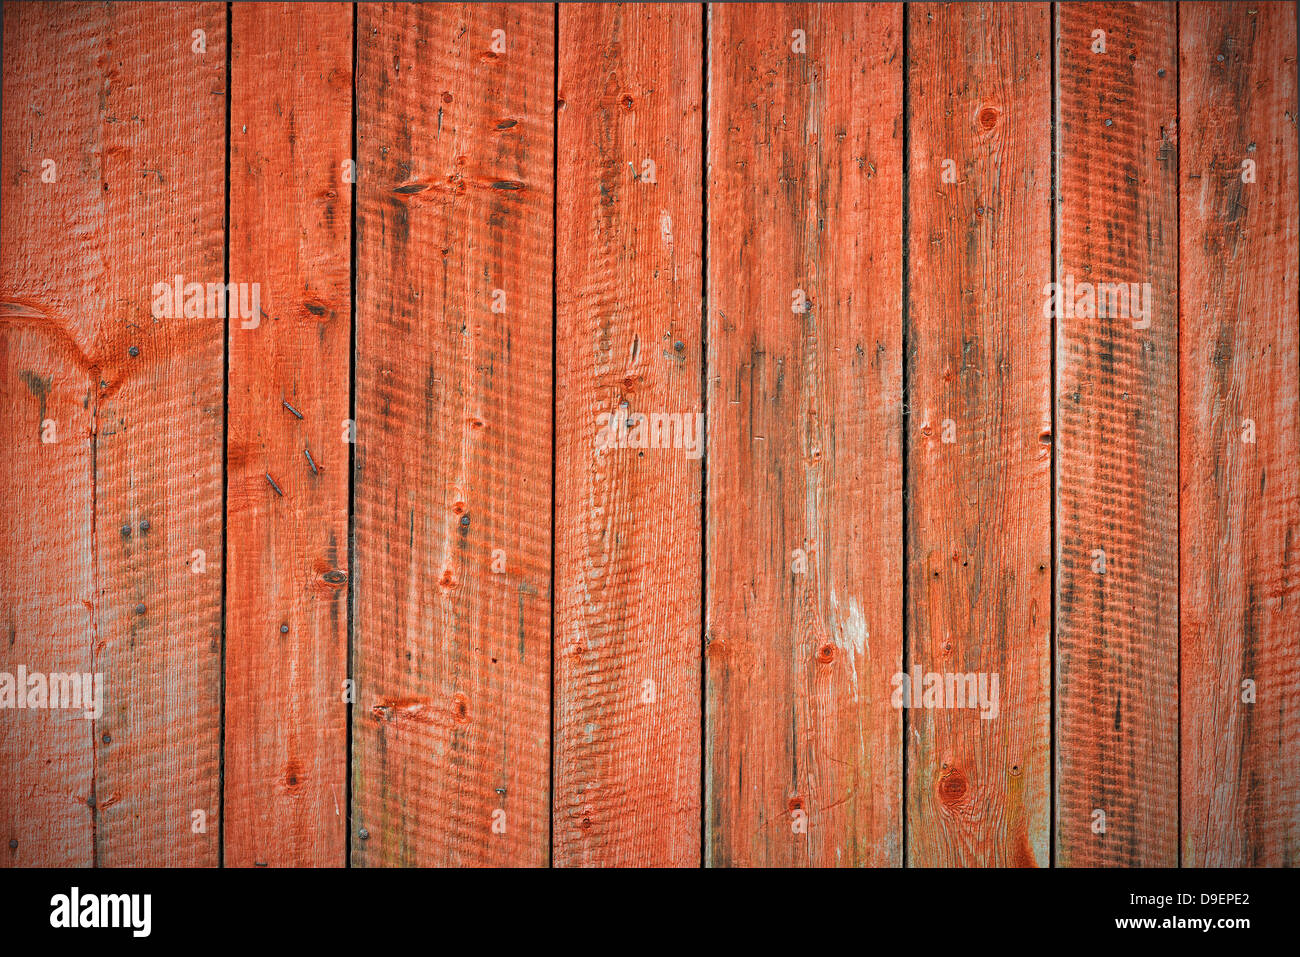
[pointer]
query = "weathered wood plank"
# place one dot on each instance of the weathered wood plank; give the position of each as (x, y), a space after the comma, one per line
(159, 434)
(804, 513)
(1240, 436)
(289, 396)
(452, 521)
(628, 517)
(130, 106)
(1117, 437)
(979, 430)
(49, 373)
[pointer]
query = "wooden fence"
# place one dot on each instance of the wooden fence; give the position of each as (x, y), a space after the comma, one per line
(735, 435)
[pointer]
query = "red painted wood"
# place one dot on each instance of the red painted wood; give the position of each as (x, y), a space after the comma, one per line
(803, 748)
(49, 371)
(1117, 450)
(454, 434)
(289, 395)
(979, 373)
(628, 519)
(1239, 369)
(811, 506)
(132, 111)
(158, 449)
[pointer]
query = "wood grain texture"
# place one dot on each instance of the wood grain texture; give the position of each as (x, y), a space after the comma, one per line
(134, 118)
(158, 450)
(804, 515)
(840, 261)
(1240, 360)
(1117, 436)
(49, 373)
(628, 519)
(454, 434)
(289, 396)
(979, 526)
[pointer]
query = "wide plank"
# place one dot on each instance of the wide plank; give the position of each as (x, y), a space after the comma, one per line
(1239, 436)
(629, 436)
(804, 406)
(452, 523)
(1117, 438)
(979, 434)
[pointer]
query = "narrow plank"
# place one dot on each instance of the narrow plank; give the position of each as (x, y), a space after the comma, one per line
(1117, 444)
(1240, 436)
(455, 126)
(628, 518)
(289, 396)
(49, 367)
(159, 438)
(979, 430)
(804, 400)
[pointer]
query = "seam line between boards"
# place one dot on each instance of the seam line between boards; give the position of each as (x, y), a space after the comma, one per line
(704, 413)
(905, 444)
(225, 447)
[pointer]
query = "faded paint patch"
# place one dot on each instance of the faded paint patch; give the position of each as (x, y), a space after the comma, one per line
(850, 636)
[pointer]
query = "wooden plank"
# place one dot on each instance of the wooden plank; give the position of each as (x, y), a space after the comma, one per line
(455, 126)
(1117, 455)
(289, 396)
(48, 373)
(158, 448)
(979, 431)
(133, 112)
(1240, 436)
(804, 401)
(628, 517)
